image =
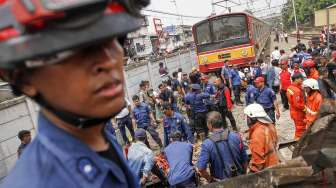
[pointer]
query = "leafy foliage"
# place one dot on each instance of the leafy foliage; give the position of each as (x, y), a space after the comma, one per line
(304, 11)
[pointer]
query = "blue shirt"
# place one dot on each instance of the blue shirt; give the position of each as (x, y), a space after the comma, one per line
(236, 80)
(209, 155)
(179, 157)
(196, 100)
(210, 89)
(141, 115)
(257, 72)
(57, 159)
(250, 94)
(176, 123)
(140, 159)
(226, 72)
(266, 97)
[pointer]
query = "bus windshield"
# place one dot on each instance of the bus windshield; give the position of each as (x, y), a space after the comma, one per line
(222, 32)
(229, 28)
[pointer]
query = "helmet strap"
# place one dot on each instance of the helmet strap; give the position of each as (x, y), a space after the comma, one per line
(71, 118)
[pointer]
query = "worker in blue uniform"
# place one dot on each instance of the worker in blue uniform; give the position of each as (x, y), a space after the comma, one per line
(236, 84)
(179, 156)
(209, 88)
(78, 84)
(250, 94)
(195, 101)
(223, 150)
(144, 119)
(174, 121)
(267, 98)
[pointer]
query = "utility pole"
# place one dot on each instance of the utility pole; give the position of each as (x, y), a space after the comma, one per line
(213, 12)
(296, 24)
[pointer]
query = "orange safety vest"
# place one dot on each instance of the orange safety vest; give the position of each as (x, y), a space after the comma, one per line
(263, 144)
(296, 101)
(313, 105)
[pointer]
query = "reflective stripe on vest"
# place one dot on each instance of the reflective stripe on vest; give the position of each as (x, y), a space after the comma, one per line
(311, 111)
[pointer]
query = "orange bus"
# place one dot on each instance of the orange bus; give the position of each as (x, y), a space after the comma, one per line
(237, 37)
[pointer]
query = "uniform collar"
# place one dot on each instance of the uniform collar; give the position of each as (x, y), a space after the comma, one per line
(255, 126)
(85, 166)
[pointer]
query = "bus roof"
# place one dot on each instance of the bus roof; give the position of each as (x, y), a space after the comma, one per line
(227, 14)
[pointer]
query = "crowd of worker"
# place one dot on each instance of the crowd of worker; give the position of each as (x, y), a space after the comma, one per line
(194, 107)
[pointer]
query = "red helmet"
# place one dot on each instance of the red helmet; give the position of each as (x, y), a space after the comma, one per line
(308, 63)
(259, 79)
(45, 28)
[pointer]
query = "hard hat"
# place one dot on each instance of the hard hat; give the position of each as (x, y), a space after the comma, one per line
(59, 26)
(259, 79)
(255, 111)
(308, 63)
(297, 76)
(193, 69)
(311, 83)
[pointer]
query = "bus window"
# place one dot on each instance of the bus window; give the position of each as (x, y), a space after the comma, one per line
(203, 33)
(229, 28)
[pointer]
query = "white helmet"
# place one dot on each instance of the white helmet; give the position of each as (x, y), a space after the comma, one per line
(255, 111)
(311, 83)
(246, 70)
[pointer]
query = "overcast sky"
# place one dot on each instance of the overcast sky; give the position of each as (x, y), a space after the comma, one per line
(202, 8)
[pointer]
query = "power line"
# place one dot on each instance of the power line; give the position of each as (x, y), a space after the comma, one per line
(173, 14)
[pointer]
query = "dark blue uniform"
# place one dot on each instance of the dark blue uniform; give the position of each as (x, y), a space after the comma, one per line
(266, 97)
(179, 157)
(199, 110)
(57, 159)
(141, 114)
(210, 155)
(210, 89)
(176, 123)
(250, 94)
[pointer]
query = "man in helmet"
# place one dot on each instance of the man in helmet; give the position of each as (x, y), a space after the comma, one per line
(65, 55)
(313, 101)
(263, 138)
(296, 104)
(310, 69)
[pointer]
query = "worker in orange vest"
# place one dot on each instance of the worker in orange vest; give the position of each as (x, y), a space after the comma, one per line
(296, 104)
(310, 69)
(263, 138)
(314, 101)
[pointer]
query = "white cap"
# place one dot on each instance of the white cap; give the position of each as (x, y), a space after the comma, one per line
(255, 111)
(311, 83)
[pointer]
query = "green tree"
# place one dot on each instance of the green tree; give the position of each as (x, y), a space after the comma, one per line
(304, 11)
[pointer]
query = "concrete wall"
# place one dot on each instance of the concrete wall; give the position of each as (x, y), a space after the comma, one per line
(20, 113)
(150, 71)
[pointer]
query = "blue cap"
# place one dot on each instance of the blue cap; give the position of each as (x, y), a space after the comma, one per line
(195, 86)
(140, 133)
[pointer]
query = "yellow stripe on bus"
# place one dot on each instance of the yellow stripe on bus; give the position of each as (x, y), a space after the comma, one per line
(237, 53)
